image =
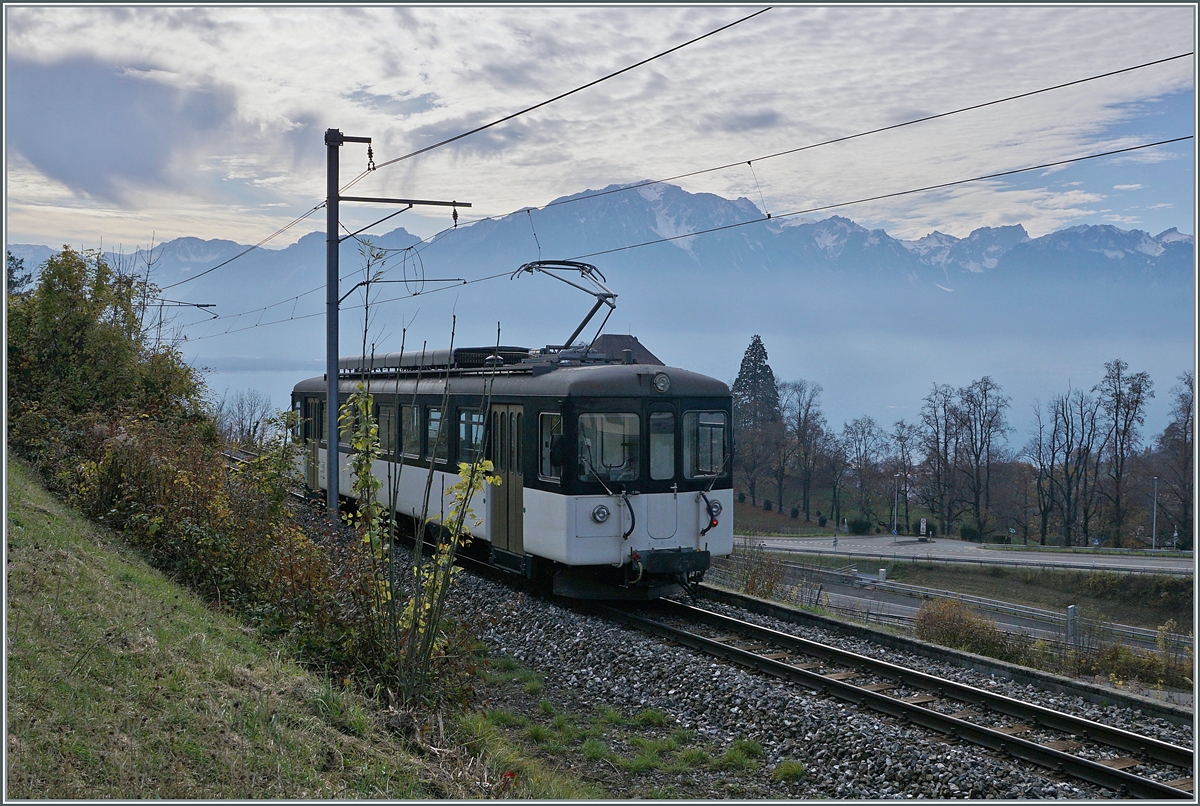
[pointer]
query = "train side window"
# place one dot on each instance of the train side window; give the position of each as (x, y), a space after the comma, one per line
(470, 434)
(410, 431)
(550, 440)
(435, 445)
(705, 444)
(662, 445)
(517, 430)
(609, 447)
(387, 428)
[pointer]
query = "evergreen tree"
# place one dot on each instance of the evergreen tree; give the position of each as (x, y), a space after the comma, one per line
(18, 278)
(757, 424)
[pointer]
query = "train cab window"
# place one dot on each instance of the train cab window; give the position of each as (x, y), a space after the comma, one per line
(435, 439)
(705, 441)
(470, 435)
(387, 428)
(609, 447)
(662, 445)
(550, 440)
(410, 431)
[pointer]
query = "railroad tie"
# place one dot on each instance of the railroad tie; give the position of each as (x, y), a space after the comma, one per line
(807, 666)
(1063, 745)
(920, 699)
(777, 655)
(842, 675)
(966, 713)
(1122, 763)
(1184, 784)
(877, 687)
(1013, 729)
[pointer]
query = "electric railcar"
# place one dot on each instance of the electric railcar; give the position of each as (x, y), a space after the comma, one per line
(615, 473)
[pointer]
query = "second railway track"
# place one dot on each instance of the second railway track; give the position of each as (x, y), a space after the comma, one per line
(1051, 739)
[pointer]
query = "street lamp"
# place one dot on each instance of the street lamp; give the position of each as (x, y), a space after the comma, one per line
(1154, 520)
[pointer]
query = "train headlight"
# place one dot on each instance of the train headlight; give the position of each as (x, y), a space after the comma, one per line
(662, 383)
(714, 508)
(600, 513)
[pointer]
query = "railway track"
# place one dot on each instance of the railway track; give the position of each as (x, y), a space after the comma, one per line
(1063, 743)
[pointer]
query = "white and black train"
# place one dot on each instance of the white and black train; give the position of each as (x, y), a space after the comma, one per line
(615, 470)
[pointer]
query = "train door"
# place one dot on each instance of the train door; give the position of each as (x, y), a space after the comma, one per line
(662, 509)
(506, 505)
(314, 410)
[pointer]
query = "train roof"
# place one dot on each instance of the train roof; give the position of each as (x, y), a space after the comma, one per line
(516, 372)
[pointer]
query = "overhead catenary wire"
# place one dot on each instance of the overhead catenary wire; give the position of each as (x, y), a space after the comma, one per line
(548, 101)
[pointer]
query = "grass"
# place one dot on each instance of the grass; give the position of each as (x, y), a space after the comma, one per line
(122, 685)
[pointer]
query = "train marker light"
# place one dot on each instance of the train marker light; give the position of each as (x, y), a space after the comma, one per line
(662, 383)
(600, 513)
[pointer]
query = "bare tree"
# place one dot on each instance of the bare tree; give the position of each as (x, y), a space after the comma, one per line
(939, 444)
(981, 425)
(1123, 397)
(242, 418)
(905, 438)
(835, 463)
(1173, 461)
(1079, 439)
(805, 424)
(864, 442)
(1041, 453)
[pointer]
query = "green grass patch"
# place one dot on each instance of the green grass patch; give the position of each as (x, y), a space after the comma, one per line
(788, 772)
(650, 718)
(593, 749)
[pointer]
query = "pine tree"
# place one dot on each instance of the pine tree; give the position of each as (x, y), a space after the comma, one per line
(756, 416)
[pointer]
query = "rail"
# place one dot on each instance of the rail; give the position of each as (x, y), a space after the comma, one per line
(1111, 775)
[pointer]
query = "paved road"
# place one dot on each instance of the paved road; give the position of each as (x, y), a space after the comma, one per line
(951, 550)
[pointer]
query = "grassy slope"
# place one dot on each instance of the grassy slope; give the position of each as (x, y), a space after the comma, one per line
(123, 685)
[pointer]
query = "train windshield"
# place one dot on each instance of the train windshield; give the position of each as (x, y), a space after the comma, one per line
(705, 444)
(609, 447)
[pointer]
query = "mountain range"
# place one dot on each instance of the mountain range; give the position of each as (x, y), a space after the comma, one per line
(1037, 313)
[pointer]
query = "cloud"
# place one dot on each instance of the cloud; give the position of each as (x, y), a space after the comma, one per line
(103, 129)
(1127, 187)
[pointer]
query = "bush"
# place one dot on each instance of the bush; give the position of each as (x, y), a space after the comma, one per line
(821, 521)
(969, 532)
(795, 513)
(767, 504)
(951, 623)
(859, 526)
(741, 498)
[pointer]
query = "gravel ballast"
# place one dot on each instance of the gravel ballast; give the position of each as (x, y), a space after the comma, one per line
(589, 663)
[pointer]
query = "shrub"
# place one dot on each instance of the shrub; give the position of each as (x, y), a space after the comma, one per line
(951, 623)
(859, 526)
(767, 504)
(795, 513)
(821, 521)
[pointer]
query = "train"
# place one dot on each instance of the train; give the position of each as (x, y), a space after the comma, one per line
(616, 470)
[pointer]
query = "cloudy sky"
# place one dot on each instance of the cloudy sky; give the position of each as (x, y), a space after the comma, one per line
(127, 123)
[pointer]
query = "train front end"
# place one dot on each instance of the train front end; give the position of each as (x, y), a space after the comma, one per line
(637, 493)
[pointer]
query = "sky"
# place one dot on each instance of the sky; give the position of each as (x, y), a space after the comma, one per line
(125, 125)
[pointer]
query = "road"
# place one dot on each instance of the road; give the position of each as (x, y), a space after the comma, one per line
(859, 548)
